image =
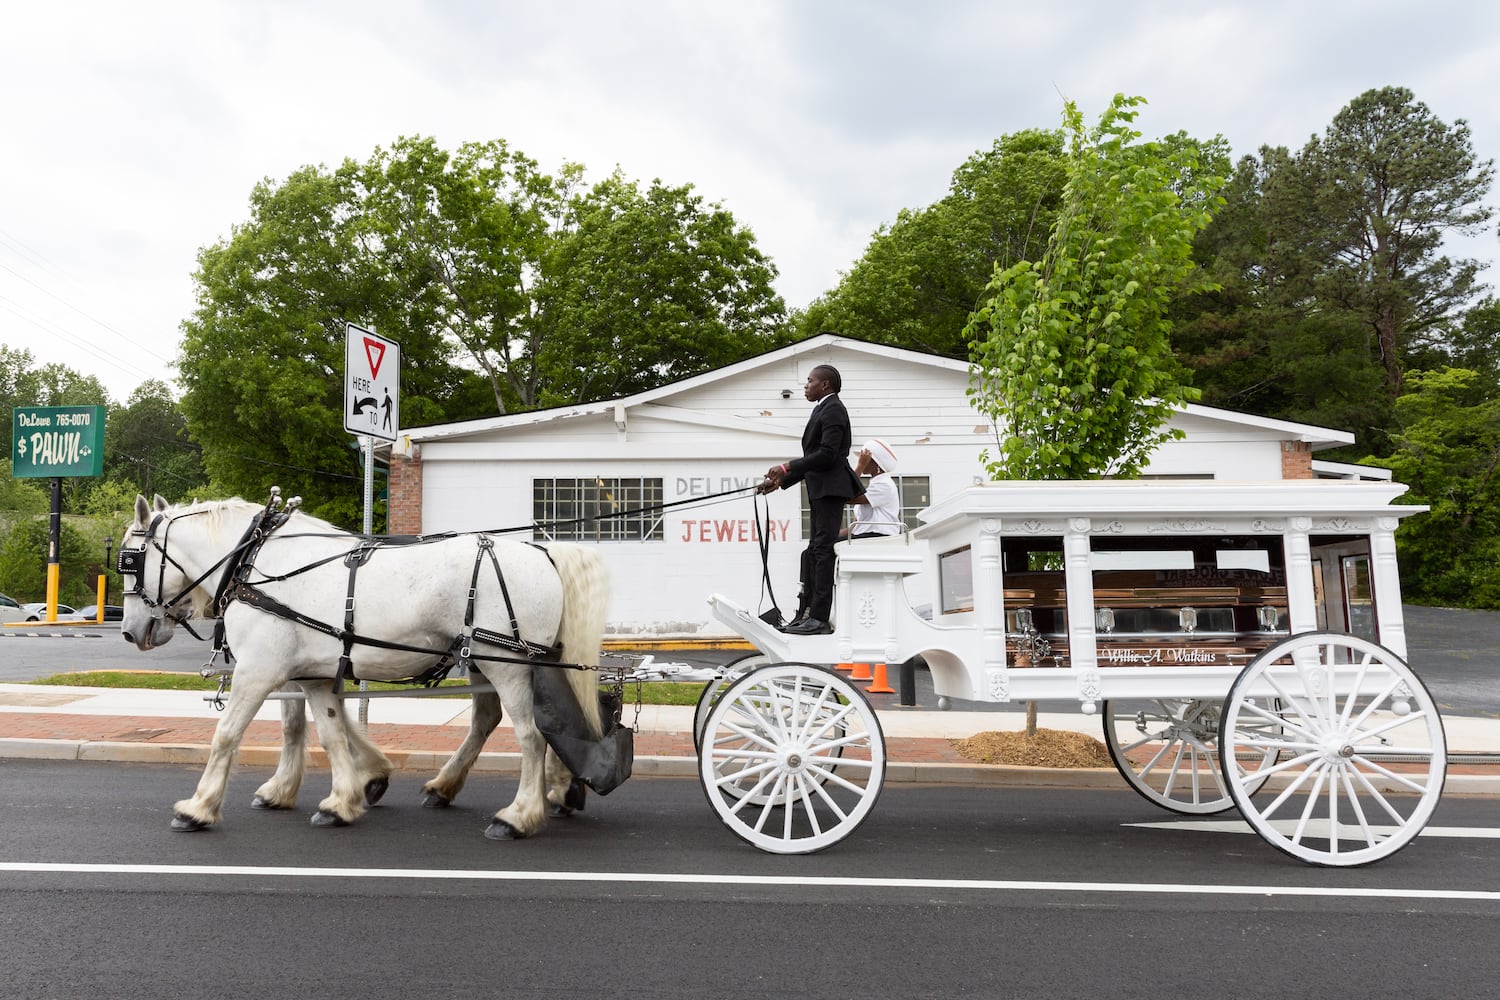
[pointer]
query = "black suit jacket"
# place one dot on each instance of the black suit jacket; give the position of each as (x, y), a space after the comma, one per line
(825, 454)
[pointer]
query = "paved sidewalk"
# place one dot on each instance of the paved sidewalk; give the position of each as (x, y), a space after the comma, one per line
(418, 734)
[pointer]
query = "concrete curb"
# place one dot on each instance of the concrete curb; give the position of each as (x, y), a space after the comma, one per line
(428, 761)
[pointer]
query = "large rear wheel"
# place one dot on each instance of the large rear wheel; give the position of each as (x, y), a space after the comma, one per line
(1361, 746)
(1167, 749)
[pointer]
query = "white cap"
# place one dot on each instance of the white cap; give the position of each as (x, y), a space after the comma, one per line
(882, 454)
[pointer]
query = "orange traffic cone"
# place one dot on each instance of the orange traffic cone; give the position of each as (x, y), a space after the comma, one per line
(861, 672)
(880, 685)
(846, 667)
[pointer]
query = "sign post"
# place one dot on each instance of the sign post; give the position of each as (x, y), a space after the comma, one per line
(50, 442)
(372, 409)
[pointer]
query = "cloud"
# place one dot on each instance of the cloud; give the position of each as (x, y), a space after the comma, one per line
(144, 128)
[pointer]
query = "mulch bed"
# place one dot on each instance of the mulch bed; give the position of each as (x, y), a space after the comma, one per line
(1048, 748)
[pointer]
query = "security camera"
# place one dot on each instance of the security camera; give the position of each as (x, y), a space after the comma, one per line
(786, 394)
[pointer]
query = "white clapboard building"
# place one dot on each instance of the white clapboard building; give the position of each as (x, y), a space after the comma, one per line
(696, 439)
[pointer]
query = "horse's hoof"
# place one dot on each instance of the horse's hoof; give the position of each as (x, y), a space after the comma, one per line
(325, 818)
(577, 796)
(375, 790)
(559, 811)
(186, 824)
(263, 803)
(501, 830)
(435, 800)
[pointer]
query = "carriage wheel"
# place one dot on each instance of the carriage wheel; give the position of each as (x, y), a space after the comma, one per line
(793, 758)
(1363, 754)
(746, 782)
(731, 672)
(1167, 749)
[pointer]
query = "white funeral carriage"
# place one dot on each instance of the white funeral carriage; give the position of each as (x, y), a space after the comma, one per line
(1243, 644)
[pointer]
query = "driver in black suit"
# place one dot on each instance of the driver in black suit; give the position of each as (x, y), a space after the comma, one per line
(824, 465)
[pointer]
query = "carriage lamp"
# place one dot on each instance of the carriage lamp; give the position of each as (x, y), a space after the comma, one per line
(1104, 620)
(1023, 620)
(1269, 616)
(1188, 619)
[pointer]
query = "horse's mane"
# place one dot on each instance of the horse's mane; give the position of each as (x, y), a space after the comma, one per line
(232, 514)
(218, 512)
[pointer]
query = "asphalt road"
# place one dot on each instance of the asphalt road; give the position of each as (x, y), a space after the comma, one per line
(1456, 652)
(942, 892)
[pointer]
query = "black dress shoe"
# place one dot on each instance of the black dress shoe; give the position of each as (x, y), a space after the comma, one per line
(801, 617)
(809, 626)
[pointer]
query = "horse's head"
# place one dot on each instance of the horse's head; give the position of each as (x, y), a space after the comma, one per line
(154, 598)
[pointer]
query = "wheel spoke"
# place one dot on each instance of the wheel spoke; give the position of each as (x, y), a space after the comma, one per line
(1358, 810)
(1390, 775)
(1292, 786)
(1380, 799)
(1307, 809)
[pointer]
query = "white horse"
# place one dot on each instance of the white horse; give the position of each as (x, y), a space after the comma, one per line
(415, 595)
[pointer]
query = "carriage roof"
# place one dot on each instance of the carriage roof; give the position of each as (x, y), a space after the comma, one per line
(1151, 499)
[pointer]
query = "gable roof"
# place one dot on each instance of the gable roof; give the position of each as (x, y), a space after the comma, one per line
(1318, 437)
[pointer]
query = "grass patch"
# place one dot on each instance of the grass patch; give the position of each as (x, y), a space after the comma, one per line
(652, 693)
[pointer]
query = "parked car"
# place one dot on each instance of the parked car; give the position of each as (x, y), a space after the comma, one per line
(90, 613)
(36, 611)
(10, 605)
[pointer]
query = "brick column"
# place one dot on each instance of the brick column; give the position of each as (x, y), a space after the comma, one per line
(1296, 460)
(405, 498)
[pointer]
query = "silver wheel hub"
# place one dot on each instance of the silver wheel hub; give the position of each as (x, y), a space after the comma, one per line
(795, 759)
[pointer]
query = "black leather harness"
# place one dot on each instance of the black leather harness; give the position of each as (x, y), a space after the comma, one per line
(236, 585)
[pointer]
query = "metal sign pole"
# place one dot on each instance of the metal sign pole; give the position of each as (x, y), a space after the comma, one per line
(54, 549)
(369, 529)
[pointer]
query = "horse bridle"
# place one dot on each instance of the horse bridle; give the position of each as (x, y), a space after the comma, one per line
(132, 563)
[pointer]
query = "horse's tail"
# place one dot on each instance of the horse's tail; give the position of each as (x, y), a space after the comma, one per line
(585, 584)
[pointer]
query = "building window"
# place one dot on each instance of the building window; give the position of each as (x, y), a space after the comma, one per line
(913, 490)
(596, 509)
(916, 495)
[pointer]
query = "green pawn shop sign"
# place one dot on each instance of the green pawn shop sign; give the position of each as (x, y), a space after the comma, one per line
(56, 441)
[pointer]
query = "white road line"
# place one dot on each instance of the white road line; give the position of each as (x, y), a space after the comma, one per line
(1315, 827)
(801, 881)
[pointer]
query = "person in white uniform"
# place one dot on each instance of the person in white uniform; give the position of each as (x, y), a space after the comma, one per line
(877, 511)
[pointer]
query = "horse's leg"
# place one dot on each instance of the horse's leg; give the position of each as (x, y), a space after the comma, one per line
(565, 793)
(372, 768)
(346, 799)
(527, 811)
(483, 718)
(280, 792)
(245, 698)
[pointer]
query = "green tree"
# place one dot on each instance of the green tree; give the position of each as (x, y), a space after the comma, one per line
(488, 272)
(24, 496)
(1071, 354)
(639, 288)
(23, 563)
(1448, 453)
(148, 448)
(921, 276)
(1257, 339)
(1331, 271)
(263, 355)
(1390, 181)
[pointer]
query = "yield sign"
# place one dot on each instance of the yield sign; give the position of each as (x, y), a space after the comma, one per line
(372, 384)
(374, 353)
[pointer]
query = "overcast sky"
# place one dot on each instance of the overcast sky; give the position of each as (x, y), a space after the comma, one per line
(133, 133)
